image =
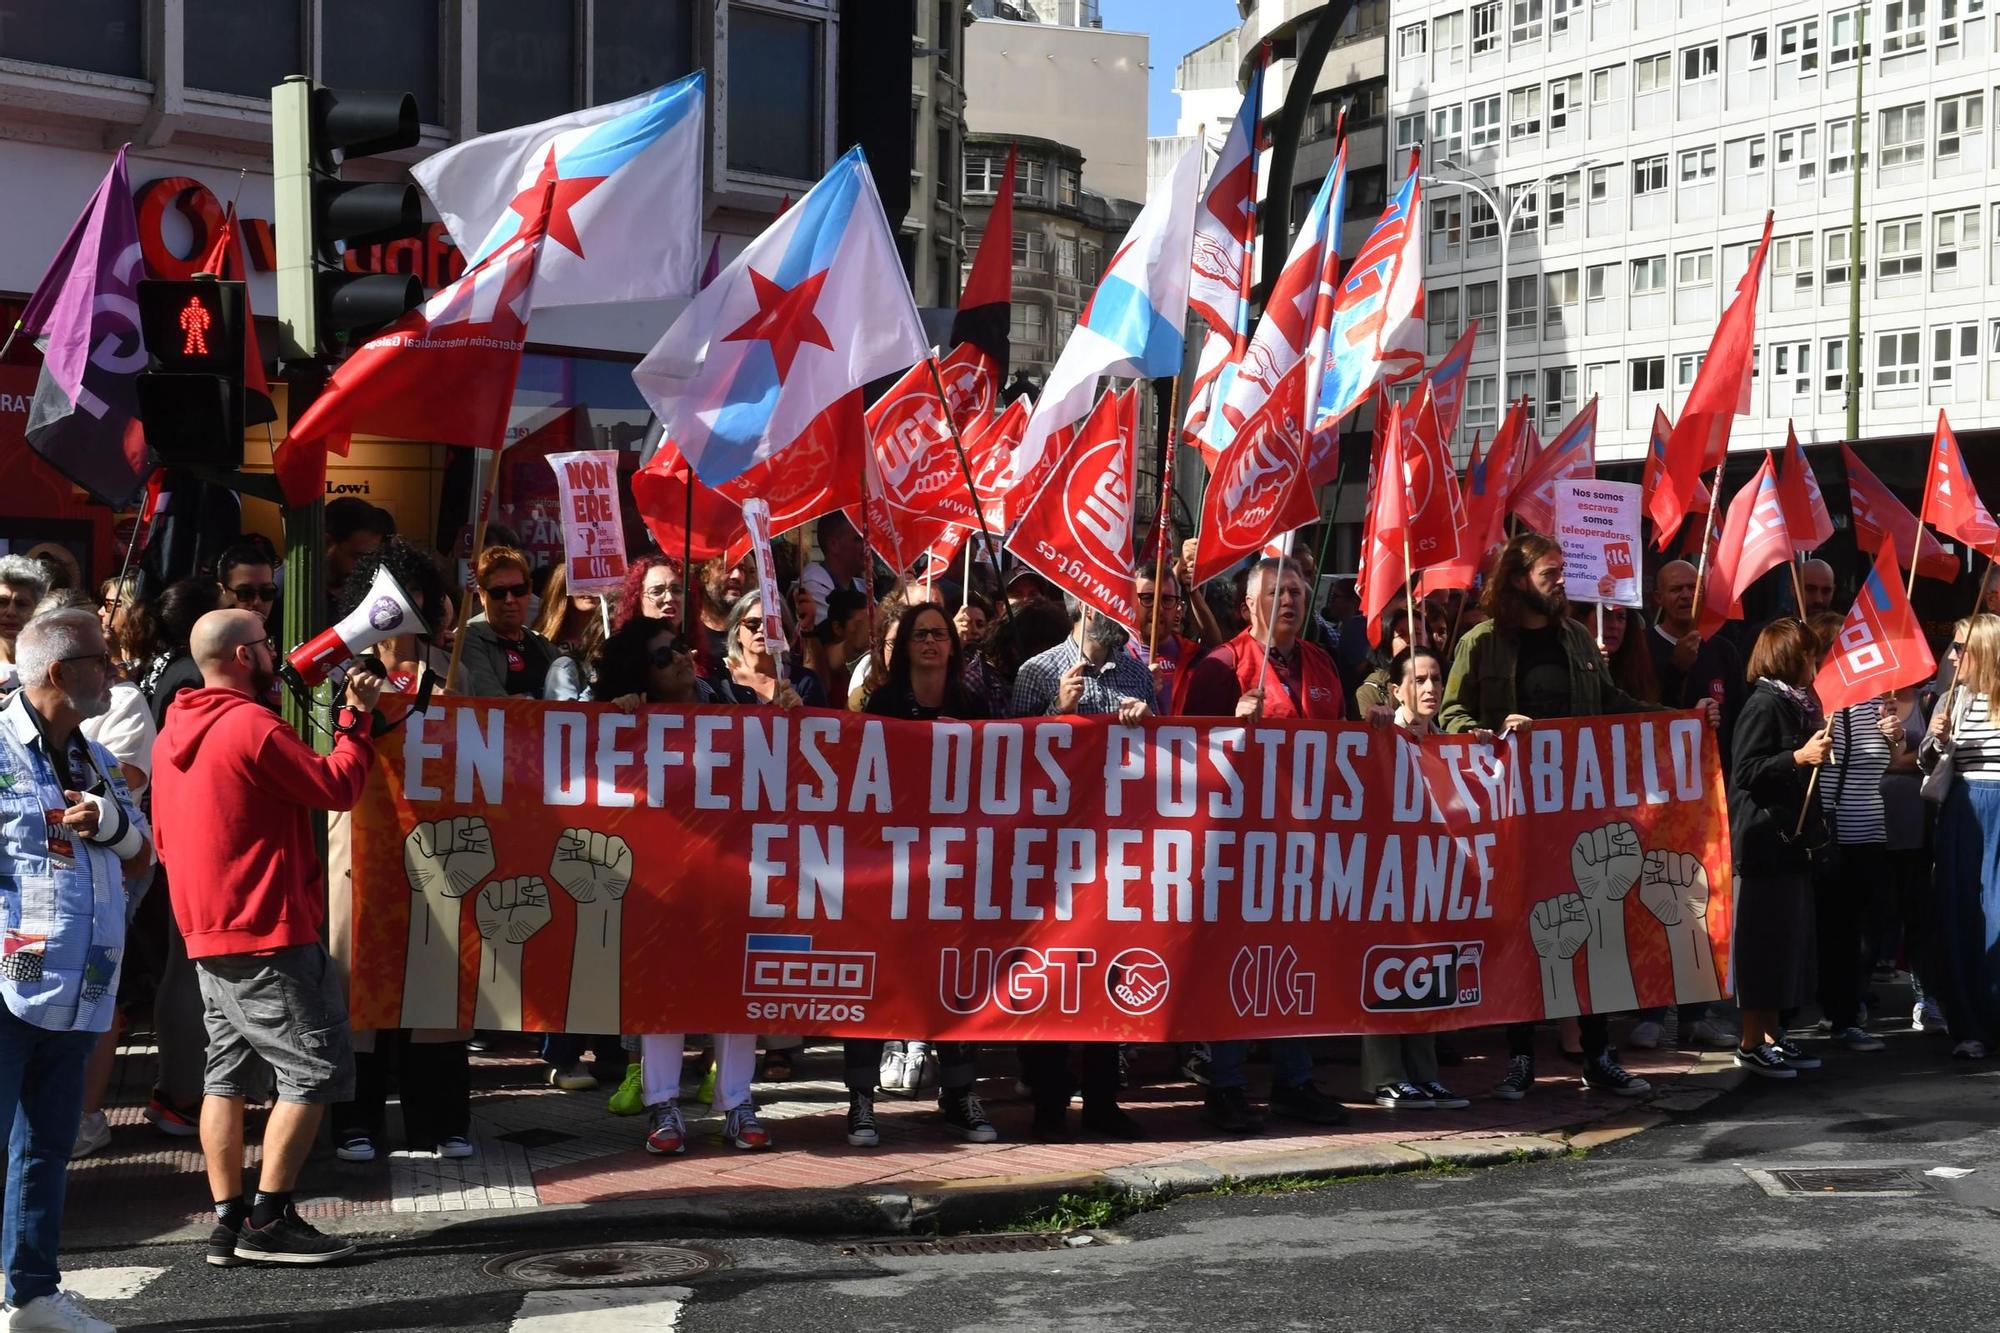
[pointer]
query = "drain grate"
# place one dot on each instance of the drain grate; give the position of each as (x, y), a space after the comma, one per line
(1000, 1242)
(1885, 1182)
(635, 1264)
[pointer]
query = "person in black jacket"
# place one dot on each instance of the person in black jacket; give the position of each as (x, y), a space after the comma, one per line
(1688, 667)
(1780, 737)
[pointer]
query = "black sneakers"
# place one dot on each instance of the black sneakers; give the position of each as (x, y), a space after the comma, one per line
(861, 1132)
(965, 1117)
(1795, 1054)
(1403, 1096)
(1602, 1074)
(289, 1240)
(1307, 1103)
(222, 1246)
(1229, 1110)
(1112, 1122)
(1765, 1061)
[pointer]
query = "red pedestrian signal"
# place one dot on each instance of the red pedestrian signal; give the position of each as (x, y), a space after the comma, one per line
(195, 319)
(193, 326)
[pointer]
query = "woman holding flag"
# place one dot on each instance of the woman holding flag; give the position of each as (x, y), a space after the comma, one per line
(1964, 735)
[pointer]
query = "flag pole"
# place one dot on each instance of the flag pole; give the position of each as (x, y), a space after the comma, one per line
(1804, 806)
(1172, 426)
(965, 471)
(1979, 599)
(482, 506)
(690, 586)
(1799, 585)
(1708, 528)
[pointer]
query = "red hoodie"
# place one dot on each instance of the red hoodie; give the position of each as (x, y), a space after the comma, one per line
(231, 788)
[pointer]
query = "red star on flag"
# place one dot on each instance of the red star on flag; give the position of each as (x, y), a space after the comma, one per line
(785, 319)
(569, 191)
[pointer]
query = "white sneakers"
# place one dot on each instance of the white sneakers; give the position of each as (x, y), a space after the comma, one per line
(1646, 1035)
(93, 1134)
(60, 1312)
(905, 1067)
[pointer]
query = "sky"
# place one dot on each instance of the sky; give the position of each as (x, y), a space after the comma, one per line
(1175, 27)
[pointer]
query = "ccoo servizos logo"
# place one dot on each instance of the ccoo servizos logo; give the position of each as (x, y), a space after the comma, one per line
(788, 967)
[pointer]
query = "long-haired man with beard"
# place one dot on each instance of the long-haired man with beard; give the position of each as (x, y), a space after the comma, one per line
(1528, 662)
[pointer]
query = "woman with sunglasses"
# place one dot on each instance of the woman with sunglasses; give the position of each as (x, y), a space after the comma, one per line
(1967, 868)
(1780, 738)
(926, 683)
(752, 677)
(503, 657)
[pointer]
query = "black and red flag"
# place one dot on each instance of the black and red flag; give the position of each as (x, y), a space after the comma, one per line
(984, 314)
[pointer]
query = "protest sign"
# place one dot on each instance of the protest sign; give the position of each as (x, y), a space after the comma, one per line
(1597, 523)
(527, 866)
(593, 530)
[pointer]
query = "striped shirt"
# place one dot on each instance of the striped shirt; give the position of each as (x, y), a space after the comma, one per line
(1851, 792)
(1976, 740)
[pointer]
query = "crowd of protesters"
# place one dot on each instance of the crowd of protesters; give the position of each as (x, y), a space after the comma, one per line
(130, 710)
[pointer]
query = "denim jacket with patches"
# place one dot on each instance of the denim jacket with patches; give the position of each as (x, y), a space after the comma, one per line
(63, 897)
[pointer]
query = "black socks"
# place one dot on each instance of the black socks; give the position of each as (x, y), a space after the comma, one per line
(269, 1207)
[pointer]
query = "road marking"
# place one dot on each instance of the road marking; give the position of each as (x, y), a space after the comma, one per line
(109, 1284)
(630, 1309)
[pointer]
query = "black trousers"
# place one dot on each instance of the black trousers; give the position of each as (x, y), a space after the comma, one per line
(434, 1080)
(1593, 1030)
(1840, 908)
(1045, 1067)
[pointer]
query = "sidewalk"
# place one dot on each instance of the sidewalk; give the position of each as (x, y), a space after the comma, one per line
(542, 1150)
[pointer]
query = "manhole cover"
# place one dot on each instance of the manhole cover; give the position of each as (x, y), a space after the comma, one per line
(635, 1264)
(1003, 1242)
(1887, 1182)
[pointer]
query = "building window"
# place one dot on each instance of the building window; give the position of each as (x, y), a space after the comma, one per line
(1480, 412)
(1558, 394)
(1901, 252)
(1649, 275)
(1412, 40)
(1696, 268)
(1843, 39)
(635, 46)
(103, 36)
(1031, 251)
(1650, 73)
(1686, 366)
(1441, 315)
(983, 172)
(1792, 263)
(1697, 165)
(1028, 324)
(1759, 52)
(774, 93)
(1649, 374)
(246, 49)
(1563, 97)
(1649, 175)
(1800, 42)
(1952, 345)
(1791, 368)
(391, 44)
(1526, 24)
(1600, 183)
(1486, 27)
(1597, 282)
(1562, 197)
(1559, 15)
(1409, 133)
(1902, 26)
(1485, 121)
(1903, 135)
(1840, 147)
(1524, 112)
(1447, 132)
(1698, 63)
(1896, 359)
(1948, 12)
(1448, 222)
(1031, 179)
(1068, 186)
(1066, 257)
(1558, 302)
(1958, 116)
(1753, 154)
(1524, 204)
(1448, 39)
(1833, 360)
(1523, 296)
(1956, 234)
(1839, 247)
(1480, 225)
(1800, 148)
(1087, 262)
(1521, 384)
(1481, 300)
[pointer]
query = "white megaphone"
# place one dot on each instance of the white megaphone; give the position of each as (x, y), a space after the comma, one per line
(383, 614)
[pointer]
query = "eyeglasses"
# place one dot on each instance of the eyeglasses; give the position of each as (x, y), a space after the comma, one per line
(1958, 646)
(508, 591)
(1171, 599)
(102, 659)
(662, 658)
(255, 592)
(664, 593)
(25, 602)
(929, 635)
(755, 624)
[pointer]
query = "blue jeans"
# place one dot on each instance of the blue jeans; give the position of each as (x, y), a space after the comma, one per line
(1291, 1063)
(41, 1080)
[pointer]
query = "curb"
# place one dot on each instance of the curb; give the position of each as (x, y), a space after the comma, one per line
(987, 1203)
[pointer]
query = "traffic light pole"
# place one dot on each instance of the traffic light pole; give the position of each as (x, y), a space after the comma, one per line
(305, 556)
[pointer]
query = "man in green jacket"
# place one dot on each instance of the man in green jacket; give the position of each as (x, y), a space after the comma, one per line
(1528, 662)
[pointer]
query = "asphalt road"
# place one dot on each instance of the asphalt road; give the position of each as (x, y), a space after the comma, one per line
(1666, 1230)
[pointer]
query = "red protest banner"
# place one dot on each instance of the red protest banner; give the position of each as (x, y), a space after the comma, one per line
(527, 866)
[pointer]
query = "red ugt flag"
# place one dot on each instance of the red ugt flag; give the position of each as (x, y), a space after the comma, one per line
(1950, 504)
(1881, 647)
(1383, 571)
(1754, 539)
(1436, 506)
(1077, 531)
(1798, 491)
(1878, 513)
(1259, 490)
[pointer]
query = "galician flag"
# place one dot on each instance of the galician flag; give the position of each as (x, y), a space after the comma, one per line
(626, 220)
(1225, 233)
(809, 312)
(1132, 327)
(1377, 331)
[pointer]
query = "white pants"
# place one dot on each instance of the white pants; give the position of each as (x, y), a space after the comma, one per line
(735, 1064)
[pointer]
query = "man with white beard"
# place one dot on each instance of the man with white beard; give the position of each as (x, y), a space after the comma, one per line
(71, 838)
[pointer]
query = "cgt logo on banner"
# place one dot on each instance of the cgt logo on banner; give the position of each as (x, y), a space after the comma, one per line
(703, 869)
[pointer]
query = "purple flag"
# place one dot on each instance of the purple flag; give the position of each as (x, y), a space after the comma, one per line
(713, 269)
(84, 316)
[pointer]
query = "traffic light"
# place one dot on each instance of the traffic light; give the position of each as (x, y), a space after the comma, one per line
(191, 396)
(314, 131)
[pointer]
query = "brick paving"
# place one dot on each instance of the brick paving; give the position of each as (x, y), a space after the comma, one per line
(539, 1147)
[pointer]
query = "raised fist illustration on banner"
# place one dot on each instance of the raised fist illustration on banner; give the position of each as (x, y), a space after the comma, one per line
(1605, 864)
(509, 912)
(1559, 926)
(595, 869)
(1674, 888)
(443, 860)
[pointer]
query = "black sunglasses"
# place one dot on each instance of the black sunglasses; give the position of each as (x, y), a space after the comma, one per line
(755, 624)
(255, 592)
(508, 590)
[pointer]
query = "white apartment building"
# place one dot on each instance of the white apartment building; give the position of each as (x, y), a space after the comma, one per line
(1640, 143)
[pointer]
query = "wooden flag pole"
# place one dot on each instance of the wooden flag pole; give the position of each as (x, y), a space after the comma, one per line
(1707, 530)
(1160, 523)
(1979, 599)
(1811, 782)
(965, 471)
(482, 507)
(1799, 585)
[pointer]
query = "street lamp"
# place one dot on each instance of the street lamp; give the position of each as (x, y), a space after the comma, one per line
(1506, 218)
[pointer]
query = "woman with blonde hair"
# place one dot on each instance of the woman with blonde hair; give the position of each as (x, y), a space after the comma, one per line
(574, 623)
(1965, 732)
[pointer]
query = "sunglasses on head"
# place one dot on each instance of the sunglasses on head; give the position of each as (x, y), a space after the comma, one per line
(255, 592)
(508, 590)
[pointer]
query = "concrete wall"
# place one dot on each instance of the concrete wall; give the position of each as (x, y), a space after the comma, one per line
(1079, 86)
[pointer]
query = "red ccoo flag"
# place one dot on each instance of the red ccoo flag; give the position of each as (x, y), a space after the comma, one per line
(1881, 647)
(1798, 491)
(1077, 530)
(1754, 540)
(1877, 512)
(1436, 507)
(1383, 570)
(1950, 504)
(1721, 392)
(1259, 490)
(1655, 476)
